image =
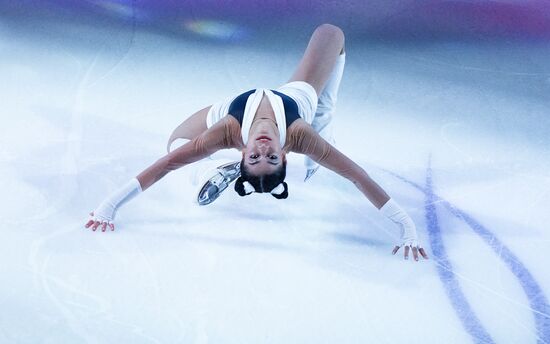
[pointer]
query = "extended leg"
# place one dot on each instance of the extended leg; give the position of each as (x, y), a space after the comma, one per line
(317, 63)
(328, 98)
(322, 121)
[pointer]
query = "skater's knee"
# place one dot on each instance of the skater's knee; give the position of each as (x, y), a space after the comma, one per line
(330, 31)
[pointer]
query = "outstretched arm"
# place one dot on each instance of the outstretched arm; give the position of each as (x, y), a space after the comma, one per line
(197, 149)
(218, 137)
(306, 141)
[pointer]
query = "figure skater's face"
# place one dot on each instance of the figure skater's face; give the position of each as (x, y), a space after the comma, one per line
(263, 153)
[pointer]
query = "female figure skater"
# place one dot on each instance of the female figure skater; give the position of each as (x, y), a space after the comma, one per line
(265, 125)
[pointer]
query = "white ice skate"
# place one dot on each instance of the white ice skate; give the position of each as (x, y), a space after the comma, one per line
(218, 180)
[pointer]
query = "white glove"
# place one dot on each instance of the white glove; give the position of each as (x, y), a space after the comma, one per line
(408, 236)
(105, 213)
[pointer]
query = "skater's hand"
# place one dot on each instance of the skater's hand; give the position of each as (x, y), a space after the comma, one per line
(97, 221)
(416, 249)
(104, 215)
(408, 237)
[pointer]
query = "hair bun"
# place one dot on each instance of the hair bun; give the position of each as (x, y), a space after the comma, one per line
(282, 195)
(239, 187)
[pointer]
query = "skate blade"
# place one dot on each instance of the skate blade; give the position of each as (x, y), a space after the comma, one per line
(310, 172)
(212, 189)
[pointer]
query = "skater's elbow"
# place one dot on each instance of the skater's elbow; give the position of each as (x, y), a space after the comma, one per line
(354, 174)
(170, 163)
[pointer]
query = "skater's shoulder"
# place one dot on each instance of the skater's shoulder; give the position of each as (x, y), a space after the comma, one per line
(300, 127)
(298, 134)
(228, 123)
(228, 130)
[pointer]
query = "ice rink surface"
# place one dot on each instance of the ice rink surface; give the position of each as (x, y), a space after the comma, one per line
(456, 132)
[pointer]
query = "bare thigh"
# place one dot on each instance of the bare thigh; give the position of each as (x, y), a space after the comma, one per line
(191, 127)
(326, 43)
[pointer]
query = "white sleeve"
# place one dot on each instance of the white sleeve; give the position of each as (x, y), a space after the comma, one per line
(107, 209)
(395, 213)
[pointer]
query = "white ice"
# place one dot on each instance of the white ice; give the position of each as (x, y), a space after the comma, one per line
(81, 116)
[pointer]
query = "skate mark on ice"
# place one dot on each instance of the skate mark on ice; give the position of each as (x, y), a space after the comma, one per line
(538, 303)
(462, 307)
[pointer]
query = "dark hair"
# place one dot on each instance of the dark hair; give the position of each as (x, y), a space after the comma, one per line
(264, 183)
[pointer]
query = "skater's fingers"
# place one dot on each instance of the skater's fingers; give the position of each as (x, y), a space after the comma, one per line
(415, 253)
(395, 249)
(112, 225)
(423, 253)
(104, 227)
(96, 223)
(407, 248)
(91, 222)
